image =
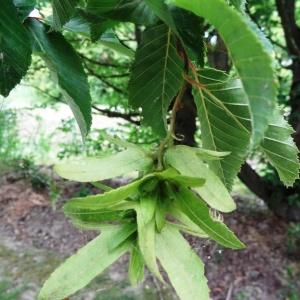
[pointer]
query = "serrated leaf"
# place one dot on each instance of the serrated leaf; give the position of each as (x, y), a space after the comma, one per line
(146, 232)
(213, 191)
(63, 10)
(97, 169)
(66, 64)
(191, 205)
(280, 149)
(15, 48)
(136, 11)
(136, 266)
(156, 76)
(24, 8)
(249, 55)
(224, 119)
(184, 268)
(77, 271)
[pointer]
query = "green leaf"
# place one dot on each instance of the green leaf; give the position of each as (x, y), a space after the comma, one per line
(225, 121)
(63, 10)
(24, 8)
(191, 30)
(15, 49)
(156, 76)
(191, 205)
(102, 201)
(239, 4)
(185, 160)
(184, 268)
(136, 11)
(249, 55)
(97, 169)
(280, 149)
(136, 266)
(146, 232)
(110, 40)
(66, 64)
(77, 271)
(126, 231)
(161, 213)
(186, 224)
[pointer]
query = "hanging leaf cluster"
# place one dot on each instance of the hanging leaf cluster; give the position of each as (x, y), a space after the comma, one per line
(177, 187)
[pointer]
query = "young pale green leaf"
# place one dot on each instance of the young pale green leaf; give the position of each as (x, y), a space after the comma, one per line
(249, 55)
(146, 232)
(191, 205)
(280, 149)
(63, 10)
(64, 62)
(184, 268)
(136, 266)
(24, 8)
(186, 224)
(122, 235)
(156, 76)
(77, 271)
(224, 118)
(99, 202)
(213, 191)
(15, 48)
(97, 169)
(136, 11)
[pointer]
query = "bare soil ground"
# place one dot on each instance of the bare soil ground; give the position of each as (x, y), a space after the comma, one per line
(35, 238)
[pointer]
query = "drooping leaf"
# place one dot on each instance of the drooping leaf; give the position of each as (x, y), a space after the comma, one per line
(184, 268)
(97, 169)
(136, 266)
(213, 191)
(65, 63)
(156, 76)
(225, 121)
(63, 10)
(77, 271)
(249, 55)
(280, 149)
(136, 11)
(15, 48)
(146, 232)
(191, 205)
(24, 8)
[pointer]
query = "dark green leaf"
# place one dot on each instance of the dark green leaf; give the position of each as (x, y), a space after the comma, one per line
(63, 10)
(191, 205)
(24, 8)
(249, 55)
(15, 48)
(64, 62)
(156, 76)
(77, 271)
(136, 11)
(184, 268)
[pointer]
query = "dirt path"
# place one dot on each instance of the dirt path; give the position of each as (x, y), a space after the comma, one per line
(35, 239)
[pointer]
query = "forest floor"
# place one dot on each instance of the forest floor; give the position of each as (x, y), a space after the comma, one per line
(35, 238)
